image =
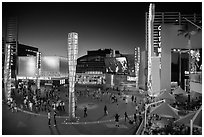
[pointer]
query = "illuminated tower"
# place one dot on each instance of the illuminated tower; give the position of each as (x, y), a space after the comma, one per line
(7, 71)
(150, 47)
(12, 40)
(137, 66)
(38, 69)
(72, 62)
(10, 54)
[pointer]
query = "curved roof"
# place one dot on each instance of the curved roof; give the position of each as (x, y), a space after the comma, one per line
(90, 58)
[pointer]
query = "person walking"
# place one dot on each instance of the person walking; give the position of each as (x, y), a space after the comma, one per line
(105, 111)
(49, 118)
(132, 98)
(85, 111)
(55, 121)
(135, 118)
(117, 120)
(63, 106)
(126, 100)
(31, 106)
(135, 100)
(126, 116)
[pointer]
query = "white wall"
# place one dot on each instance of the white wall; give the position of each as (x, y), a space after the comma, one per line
(155, 75)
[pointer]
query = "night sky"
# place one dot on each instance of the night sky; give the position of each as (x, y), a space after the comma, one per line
(120, 26)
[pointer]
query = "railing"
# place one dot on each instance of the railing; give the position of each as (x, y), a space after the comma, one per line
(140, 129)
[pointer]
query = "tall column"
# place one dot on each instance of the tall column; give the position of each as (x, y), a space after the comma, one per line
(38, 69)
(7, 72)
(150, 47)
(72, 61)
(137, 65)
(112, 75)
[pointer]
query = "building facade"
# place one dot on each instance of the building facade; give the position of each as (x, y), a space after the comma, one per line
(181, 22)
(91, 68)
(26, 50)
(108, 68)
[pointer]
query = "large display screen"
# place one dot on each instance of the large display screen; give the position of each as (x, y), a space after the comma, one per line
(27, 67)
(64, 67)
(131, 64)
(116, 65)
(50, 66)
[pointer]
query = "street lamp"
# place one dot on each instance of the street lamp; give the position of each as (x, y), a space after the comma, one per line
(146, 107)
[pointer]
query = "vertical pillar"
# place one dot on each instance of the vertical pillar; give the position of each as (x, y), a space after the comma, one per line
(7, 72)
(112, 75)
(72, 61)
(137, 65)
(38, 69)
(150, 47)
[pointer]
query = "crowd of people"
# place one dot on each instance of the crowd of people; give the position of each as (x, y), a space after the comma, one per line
(33, 100)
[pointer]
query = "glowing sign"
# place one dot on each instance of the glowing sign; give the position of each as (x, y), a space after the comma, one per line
(129, 78)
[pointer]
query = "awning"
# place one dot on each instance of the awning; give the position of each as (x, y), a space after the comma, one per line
(178, 91)
(166, 95)
(165, 110)
(186, 119)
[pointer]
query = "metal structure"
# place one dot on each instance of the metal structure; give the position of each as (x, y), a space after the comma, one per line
(7, 71)
(137, 66)
(146, 107)
(72, 62)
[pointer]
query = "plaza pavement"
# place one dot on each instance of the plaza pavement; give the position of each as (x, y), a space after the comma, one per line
(26, 123)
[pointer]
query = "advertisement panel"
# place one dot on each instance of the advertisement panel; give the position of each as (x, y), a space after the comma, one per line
(50, 66)
(116, 65)
(27, 67)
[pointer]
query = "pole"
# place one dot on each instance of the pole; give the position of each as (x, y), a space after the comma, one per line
(193, 119)
(146, 107)
(192, 23)
(191, 127)
(145, 117)
(180, 68)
